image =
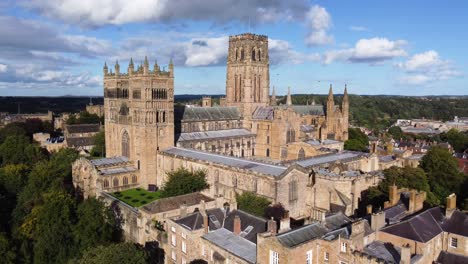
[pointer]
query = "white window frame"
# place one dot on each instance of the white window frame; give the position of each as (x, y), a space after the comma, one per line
(184, 246)
(309, 257)
(453, 240)
(173, 229)
(173, 240)
(274, 257)
(174, 255)
(184, 236)
(344, 247)
(203, 251)
(326, 256)
(184, 261)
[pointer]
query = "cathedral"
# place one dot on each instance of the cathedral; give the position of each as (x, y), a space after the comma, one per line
(248, 142)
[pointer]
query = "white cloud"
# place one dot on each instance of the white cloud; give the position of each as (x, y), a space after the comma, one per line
(206, 51)
(426, 67)
(3, 67)
(318, 21)
(92, 13)
(358, 28)
(372, 51)
(281, 52)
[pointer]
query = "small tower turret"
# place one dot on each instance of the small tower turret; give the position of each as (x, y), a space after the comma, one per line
(146, 66)
(156, 67)
(273, 97)
(288, 98)
(131, 67)
(171, 68)
(105, 69)
(117, 68)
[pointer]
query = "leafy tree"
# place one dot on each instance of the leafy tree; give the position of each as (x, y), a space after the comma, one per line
(276, 211)
(251, 203)
(396, 132)
(123, 253)
(13, 129)
(99, 149)
(83, 118)
(358, 141)
(96, 224)
(18, 149)
(182, 181)
(13, 177)
(458, 140)
(7, 254)
(442, 172)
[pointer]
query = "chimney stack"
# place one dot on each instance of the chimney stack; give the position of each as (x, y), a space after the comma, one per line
(451, 205)
(405, 255)
(285, 224)
(378, 220)
(183, 210)
(272, 227)
(369, 209)
(237, 225)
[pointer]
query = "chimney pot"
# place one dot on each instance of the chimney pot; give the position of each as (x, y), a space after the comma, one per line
(237, 225)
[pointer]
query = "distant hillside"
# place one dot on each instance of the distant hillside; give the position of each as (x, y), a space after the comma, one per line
(378, 111)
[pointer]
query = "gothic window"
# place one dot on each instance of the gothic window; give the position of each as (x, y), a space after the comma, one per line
(125, 145)
(253, 54)
(164, 117)
(116, 182)
(134, 179)
(234, 181)
(242, 54)
(253, 152)
(301, 154)
(284, 153)
(268, 152)
(125, 180)
(268, 139)
(290, 135)
(157, 117)
(293, 190)
(242, 153)
(259, 55)
(136, 94)
(106, 183)
(237, 55)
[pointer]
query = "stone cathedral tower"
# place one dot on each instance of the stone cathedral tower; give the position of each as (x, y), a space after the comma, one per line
(248, 76)
(139, 115)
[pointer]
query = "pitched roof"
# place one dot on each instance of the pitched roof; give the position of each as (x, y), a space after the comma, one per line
(110, 161)
(172, 203)
(386, 251)
(456, 224)
(83, 128)
(234, 244)
(187, 114)
(451, 258)
(205, 135)
(302, 234)
(80, 141)
(342, 156)
(245, 164)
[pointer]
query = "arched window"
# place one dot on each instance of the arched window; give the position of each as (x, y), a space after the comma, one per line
(293, 190)
(164, 117)
(253, 55)
(125, 180)
(106, 184)
(259, 55)
(125, 145)
(116, 182)
(301, 154)
(242, 54)
(237, 55)
(268, 152)
(134, 179)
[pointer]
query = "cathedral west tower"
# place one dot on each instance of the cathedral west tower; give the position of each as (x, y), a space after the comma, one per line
(248, 76)
(139, 115)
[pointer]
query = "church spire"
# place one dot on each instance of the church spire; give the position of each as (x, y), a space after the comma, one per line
(146, 66)
(117, 68)
(131, 67)
(273, 97)
(345, 94)
(330, 93)
(288, 98)
(105, 69)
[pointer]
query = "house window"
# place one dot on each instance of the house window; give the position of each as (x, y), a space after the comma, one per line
(184, 247)
(173, 229)
(174, 256)
(173, 240)
(184, 261)
(344, 247)
(293, 191)
(184, 236)
(326, 256)
(274, 258)
(203, 252)
(309, 257)
(454, 242)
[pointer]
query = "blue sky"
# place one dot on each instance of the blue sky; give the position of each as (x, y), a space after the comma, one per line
(58, 47)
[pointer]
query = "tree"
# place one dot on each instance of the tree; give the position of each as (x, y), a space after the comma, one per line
(251, 203)
(358, 141)
(458, 140)
(123, 253)
(396, 132)
(13, 177)
(18, 149)
(182, 181)
(6, 252)
(96, 225)
(442, 172)
(83, 118)
(99, 149)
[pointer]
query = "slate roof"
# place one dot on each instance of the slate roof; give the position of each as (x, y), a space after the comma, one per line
(421, 227)
(245, 164)
(342, 156)
(456, 224)
(172, 203)
(83, 128)
(451, 258)
(218, 219)
(264, 113)
(234, 244)
(80, 141)
(188, 114)
(302, 234)
(316, 142)
(110, 161)
(227, 133)
(117, 170)
(386, 251)
(305, 109)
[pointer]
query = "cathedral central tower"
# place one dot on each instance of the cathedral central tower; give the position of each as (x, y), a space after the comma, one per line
(248, 76)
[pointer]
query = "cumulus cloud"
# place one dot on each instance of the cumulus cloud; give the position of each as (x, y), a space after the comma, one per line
(426, 67)
(318, 21)
(91, 13)
(372, 51)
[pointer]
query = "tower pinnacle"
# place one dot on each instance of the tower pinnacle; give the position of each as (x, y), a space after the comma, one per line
(288, 98)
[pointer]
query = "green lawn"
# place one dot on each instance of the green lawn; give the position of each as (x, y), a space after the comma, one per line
(137, 197)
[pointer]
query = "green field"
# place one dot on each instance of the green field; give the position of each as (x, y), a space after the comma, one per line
(137, 197)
